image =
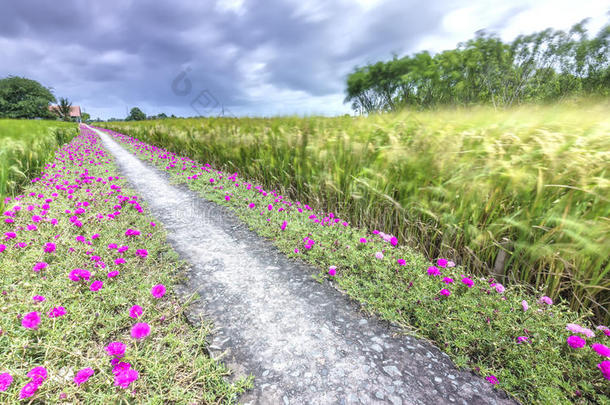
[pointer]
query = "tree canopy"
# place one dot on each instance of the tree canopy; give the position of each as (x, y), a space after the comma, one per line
(543, 66)
(135, 114)
(24, 98)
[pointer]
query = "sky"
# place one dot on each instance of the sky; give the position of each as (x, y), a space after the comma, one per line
(242, 57)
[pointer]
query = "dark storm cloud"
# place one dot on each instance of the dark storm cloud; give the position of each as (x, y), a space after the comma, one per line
(111, 54)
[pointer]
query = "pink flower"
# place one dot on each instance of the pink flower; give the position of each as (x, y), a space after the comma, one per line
(284, 224)
(142, 252)
(441, 263)
(113, 274)
(125, 378)
(445, 292)
(433, 271)
(119, 260)
(120, 367)
(604, 367)
(140, 330)
(251, 205)
(38, 374)
(448, 280)
(28, 390)
(332, 271)
(545, 300)
(576, 328)
(576, 342)
(499, 288)
(492, 379)
(57, 312)
(132, 232)
(136, 311)
(401, 262)
(394, 241)
(78, 274)
(2, 248)
(468, 282)
(158, 291)
(362, 240)
(227, 198)
(96, 285)
(49, 247)
(601, 349)
(38, 298)
(39, 266)
(524, 305)
(379, 255)
(31, 320)
(116, 349)
(5, 381)
(83, 375)
(522, 339)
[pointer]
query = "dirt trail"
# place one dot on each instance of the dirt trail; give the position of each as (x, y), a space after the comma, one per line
(304, 342)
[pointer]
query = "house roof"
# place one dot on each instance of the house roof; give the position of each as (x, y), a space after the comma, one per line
(74, 110)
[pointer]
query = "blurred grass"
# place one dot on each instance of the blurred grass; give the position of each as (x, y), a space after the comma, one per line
(460, 183)
(26, 146)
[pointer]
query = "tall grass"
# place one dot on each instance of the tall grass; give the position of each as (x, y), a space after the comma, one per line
(467, 184)
(26, 146)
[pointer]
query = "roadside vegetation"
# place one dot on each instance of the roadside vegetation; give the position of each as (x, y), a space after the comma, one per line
(26, 146)
(517, 337)
(88, 312)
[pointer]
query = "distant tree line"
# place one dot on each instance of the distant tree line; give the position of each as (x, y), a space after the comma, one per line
(543, 66)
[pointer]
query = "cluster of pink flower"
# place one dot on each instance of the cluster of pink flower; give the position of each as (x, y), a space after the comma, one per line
(578, 342)
(68, 181)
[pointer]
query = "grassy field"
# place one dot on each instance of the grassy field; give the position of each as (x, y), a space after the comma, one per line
(25, 147)
(533, 182)
(88, 312)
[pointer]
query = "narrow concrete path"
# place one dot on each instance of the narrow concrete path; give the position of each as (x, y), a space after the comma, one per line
(304, 342)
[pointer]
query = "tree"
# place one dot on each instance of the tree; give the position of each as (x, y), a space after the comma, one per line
(63, 109)
(136, 115)
(24, 98)
(85, 117)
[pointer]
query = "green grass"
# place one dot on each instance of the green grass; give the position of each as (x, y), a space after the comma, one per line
(26, 146)
(478, 327)
(173, 362)
(533, 181)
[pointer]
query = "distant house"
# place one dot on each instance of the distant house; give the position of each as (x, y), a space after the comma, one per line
(74, 112)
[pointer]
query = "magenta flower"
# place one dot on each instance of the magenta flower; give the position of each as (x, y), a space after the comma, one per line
(604, 367)
(492, 379)
(445, 292)
(132, 232)
(142, 253)
(401, 262)
(140, 330)
(522, 339)
(601, 349)
(158, 291)
(2, 248)
(545, 300)
(576, 342)
(10, 235)
(379, 255)
(28, 390)
(57, 312)
(468, 282)
(448, 280)
(524, 305)
(441, 263)
(136, 311)
(119, 260)
(38, 374)
(38, 298)
(120, 366)
(499, 288)
(394, 241)
(284, 224)
(332, 271)
(5, 381)
(251, 205)
(96, 285)
(113, 274)
(116, 349)
(362, 240)
(39, 266)
(31, 320)
(125, 378)
(83, 375)
(49, 247)
(78, 274)
(433, 271)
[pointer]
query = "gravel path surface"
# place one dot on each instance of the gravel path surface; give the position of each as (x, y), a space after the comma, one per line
(304, 342)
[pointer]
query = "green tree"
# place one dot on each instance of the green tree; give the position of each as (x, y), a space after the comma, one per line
(135, 114)
(63, 109)
(24, 98)
(85, 117)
